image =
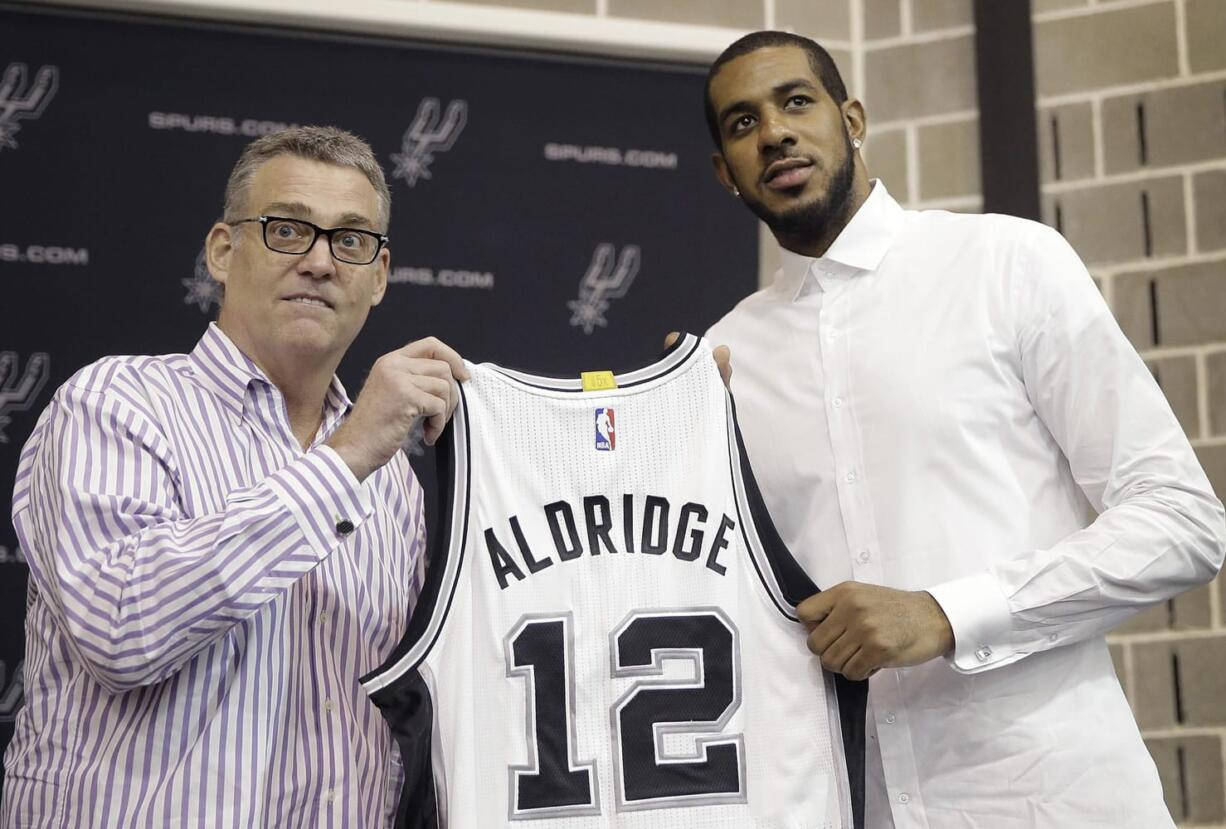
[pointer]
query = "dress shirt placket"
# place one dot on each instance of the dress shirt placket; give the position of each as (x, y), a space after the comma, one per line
(887, 705)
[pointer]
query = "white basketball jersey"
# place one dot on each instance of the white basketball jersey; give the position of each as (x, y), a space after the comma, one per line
(607, 635)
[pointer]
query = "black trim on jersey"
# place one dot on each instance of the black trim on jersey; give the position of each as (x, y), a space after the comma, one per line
(447, 455)
(693, 341)
(406, 703)
(797, 586)
(413, 731)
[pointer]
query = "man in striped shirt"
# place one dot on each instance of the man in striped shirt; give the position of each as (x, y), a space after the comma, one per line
(220, 544)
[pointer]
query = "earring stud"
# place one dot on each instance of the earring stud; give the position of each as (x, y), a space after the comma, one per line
(856, 142)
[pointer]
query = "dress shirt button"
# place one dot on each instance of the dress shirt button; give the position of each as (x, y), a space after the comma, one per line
(344, 526)
(850, 477)
(1052, 638)
(330, 796)
(323, 617)
(984, 653)
(329, 705)
(904, 798)
(863, 557)
(838, 402)
(891, 719)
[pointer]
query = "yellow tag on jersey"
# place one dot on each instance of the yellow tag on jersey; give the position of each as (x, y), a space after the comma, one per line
(598, 380)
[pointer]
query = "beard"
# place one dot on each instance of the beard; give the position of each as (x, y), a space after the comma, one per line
(809, 221)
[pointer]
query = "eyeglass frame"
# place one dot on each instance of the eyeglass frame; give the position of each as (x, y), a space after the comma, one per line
(316, 232)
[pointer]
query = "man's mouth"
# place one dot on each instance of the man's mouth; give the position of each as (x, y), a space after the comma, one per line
(308, 299)
(787, 173)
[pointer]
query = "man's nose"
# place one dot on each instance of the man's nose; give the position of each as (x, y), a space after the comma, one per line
(775, 130)
(318, 261)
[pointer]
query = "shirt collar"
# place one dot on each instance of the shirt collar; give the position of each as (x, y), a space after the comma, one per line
(231, 376)
(861, 245)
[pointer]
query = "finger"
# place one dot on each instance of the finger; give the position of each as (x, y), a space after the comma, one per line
(723, 361)
(837, 656)
(432, 395)
(671, 339)
(859, 666)
(435, 349)
(824, 636)
(425, 366)
(816, 607)
(433, 429)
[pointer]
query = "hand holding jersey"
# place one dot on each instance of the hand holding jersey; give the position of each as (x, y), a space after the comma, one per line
(857, 629)
(410, 382)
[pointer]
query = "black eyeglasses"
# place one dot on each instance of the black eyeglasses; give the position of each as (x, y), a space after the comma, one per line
(296, 237)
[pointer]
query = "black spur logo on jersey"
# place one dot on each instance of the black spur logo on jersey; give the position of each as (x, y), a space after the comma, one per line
(650, 526)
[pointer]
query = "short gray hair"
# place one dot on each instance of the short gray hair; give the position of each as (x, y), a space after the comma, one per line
(331, 145)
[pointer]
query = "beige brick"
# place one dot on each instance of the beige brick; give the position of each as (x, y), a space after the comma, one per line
(574, 6)
(1182, 125)
(1202, 680)
(1191, 772)
(1206, 34)
(1177, 377)
(920, 79)
(885, 154)
(928, 15)
(1147, 621)
(1106, 223)
(1213, 459)
(1209, 189)
(882, 19)
(1190, 305)
(818, 19)
(949, 159)
(1153, 682)
(735, 14)
(1215, 365)
(1040, 6)
(1105, 49)
(1070, 129)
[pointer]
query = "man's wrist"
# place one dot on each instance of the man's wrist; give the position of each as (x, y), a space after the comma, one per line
(351, 456)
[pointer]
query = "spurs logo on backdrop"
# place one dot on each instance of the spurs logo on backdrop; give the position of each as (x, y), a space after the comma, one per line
(608, 277)
(13, 691)
(19, 389)
(202, 290)
(19, 101)
(431, 132)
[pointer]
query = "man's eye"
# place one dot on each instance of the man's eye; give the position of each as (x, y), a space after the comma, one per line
(799, 100)
(742, 123)
(351, 240)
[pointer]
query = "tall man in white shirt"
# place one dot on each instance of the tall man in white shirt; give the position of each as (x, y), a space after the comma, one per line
(934, 405)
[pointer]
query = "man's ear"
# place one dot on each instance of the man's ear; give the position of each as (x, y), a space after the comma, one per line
(219, 250)
(723, 173)
(382, 266)
(855, 119)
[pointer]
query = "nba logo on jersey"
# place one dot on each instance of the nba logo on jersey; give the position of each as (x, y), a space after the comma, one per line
(606, 439)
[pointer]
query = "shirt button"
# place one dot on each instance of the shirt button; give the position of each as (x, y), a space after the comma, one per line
(344, 526)
(838, 402)
(1052, 638)
(984, 653)
(863, 557)
(904, 798)
(330, 796)
(850, 477)
(891, 719)
(323, 617)
(329, 705)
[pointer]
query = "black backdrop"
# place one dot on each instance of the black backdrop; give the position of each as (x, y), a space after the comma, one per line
(551, 213)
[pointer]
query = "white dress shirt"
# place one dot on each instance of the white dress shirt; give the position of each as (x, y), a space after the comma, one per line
(943, 402)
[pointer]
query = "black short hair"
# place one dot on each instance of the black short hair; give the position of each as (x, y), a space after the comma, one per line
(819, 60)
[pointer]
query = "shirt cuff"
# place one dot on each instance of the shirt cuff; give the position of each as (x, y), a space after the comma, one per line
(979, 615)
(324, 497)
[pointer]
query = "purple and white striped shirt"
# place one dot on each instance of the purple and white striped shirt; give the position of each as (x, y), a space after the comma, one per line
(197, 620)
